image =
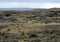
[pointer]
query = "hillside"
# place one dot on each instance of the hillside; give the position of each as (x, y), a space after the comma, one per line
(37, 25)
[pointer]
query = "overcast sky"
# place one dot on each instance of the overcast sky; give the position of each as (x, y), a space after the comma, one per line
(29, 3)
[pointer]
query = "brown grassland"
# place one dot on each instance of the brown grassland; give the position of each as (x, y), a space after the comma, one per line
(30, 26)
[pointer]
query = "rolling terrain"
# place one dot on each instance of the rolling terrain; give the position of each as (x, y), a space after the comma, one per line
(37, 25)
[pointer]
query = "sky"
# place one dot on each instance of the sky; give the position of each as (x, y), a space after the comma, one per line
(29, 3)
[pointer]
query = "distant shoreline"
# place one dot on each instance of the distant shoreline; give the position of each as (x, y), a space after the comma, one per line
(19, 8)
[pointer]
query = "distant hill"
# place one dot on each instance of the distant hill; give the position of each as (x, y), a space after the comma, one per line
(43, 9)
(54, 9)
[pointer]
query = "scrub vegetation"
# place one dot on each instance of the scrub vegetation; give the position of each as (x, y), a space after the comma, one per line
(37, 25)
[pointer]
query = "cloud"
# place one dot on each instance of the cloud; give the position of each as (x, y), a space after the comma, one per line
(28, 5)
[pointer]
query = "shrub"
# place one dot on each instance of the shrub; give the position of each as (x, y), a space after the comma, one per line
(33, 36)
